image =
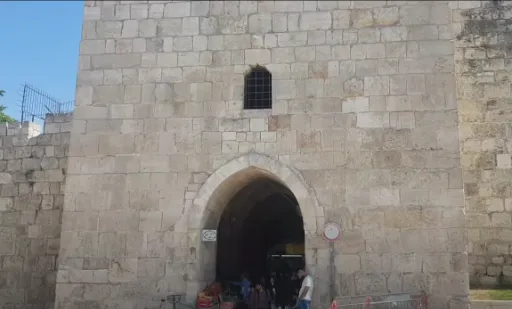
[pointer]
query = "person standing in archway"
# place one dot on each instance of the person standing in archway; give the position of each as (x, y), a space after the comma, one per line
(306, 290)
(245, 284)
(261, 298)
(284, 286)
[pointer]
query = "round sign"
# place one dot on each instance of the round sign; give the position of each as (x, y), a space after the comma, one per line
(332, 231)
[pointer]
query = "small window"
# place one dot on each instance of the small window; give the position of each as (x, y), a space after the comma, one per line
(258, 89)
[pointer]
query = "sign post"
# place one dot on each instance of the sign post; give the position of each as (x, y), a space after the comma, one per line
(332, 233)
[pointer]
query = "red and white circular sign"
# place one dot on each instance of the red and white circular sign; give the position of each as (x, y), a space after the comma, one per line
(332, 231)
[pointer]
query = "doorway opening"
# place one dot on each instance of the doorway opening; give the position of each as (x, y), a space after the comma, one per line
(260, 232)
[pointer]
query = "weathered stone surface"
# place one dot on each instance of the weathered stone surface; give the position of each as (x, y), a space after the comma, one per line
(370, 102)
(485, 138)
(31, 202)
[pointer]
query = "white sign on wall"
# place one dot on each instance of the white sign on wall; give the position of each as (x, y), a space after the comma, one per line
(209, 235)
(332, 231)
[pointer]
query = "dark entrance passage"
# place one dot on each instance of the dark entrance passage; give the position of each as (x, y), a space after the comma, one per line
(260, 222)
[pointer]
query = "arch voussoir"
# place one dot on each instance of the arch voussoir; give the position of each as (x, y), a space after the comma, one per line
(221, 186)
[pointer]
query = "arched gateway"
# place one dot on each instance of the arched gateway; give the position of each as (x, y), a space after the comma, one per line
(220, 188)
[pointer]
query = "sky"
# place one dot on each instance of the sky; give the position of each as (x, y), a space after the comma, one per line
(39, 45)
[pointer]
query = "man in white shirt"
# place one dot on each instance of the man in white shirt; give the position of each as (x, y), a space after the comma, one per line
(306, 290)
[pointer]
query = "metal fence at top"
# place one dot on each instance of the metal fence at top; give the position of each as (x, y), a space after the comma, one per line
(36, 103)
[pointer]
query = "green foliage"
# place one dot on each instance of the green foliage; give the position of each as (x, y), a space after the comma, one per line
(498, 294)
(3, 116)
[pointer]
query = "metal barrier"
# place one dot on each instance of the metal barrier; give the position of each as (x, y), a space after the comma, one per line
(175, 301)
(384, 301)
(36, 103)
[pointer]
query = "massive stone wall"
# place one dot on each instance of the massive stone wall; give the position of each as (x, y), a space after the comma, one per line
(364, 116)
(484, 62)
(32, 169)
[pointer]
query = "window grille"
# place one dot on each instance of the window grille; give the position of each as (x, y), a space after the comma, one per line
(258, 89)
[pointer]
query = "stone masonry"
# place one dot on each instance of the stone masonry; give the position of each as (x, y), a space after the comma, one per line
(32, 169)
(483, 60)
(363, 130)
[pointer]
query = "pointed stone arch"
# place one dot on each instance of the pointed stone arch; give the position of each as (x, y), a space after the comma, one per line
(222, 185)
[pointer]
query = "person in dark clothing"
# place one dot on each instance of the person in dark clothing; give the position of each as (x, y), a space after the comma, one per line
(296, 284)
(284, 290)
(261, 298)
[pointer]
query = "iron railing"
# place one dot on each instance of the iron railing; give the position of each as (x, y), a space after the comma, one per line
(36, 103)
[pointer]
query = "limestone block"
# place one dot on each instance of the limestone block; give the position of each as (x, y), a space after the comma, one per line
(494, 205)
(361, 18)
(286, 89)
(269, 137)
(231, 42)
(6, 204)
(208, 25)
(357, 104)
(92, 47)
(151, 267)
(248, 7)
(320, 5)
(402, 120)
(82, 221)
(111, 245)
(385, 16)
(118, 61)
(372, 120)
(347, 264)
(286, 55)
(382, 197)
(507, 270)
(411, 262)
(7, 242)
(376, 262)
(414, 15)
(260, 23)
(436, 262)
(200, 8)
(257, 56)
(290, 40)
(315, 21)
(340, 19)
(402, 218)
(370, 283)
(83, 244)
(139, 11)
(369, 35)
(122, 270)
(232, 24)
(179, 9)
(384, 242)
(286, 141)
(258, 124)
(504, 161)
(376, 85)
(500, 220)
